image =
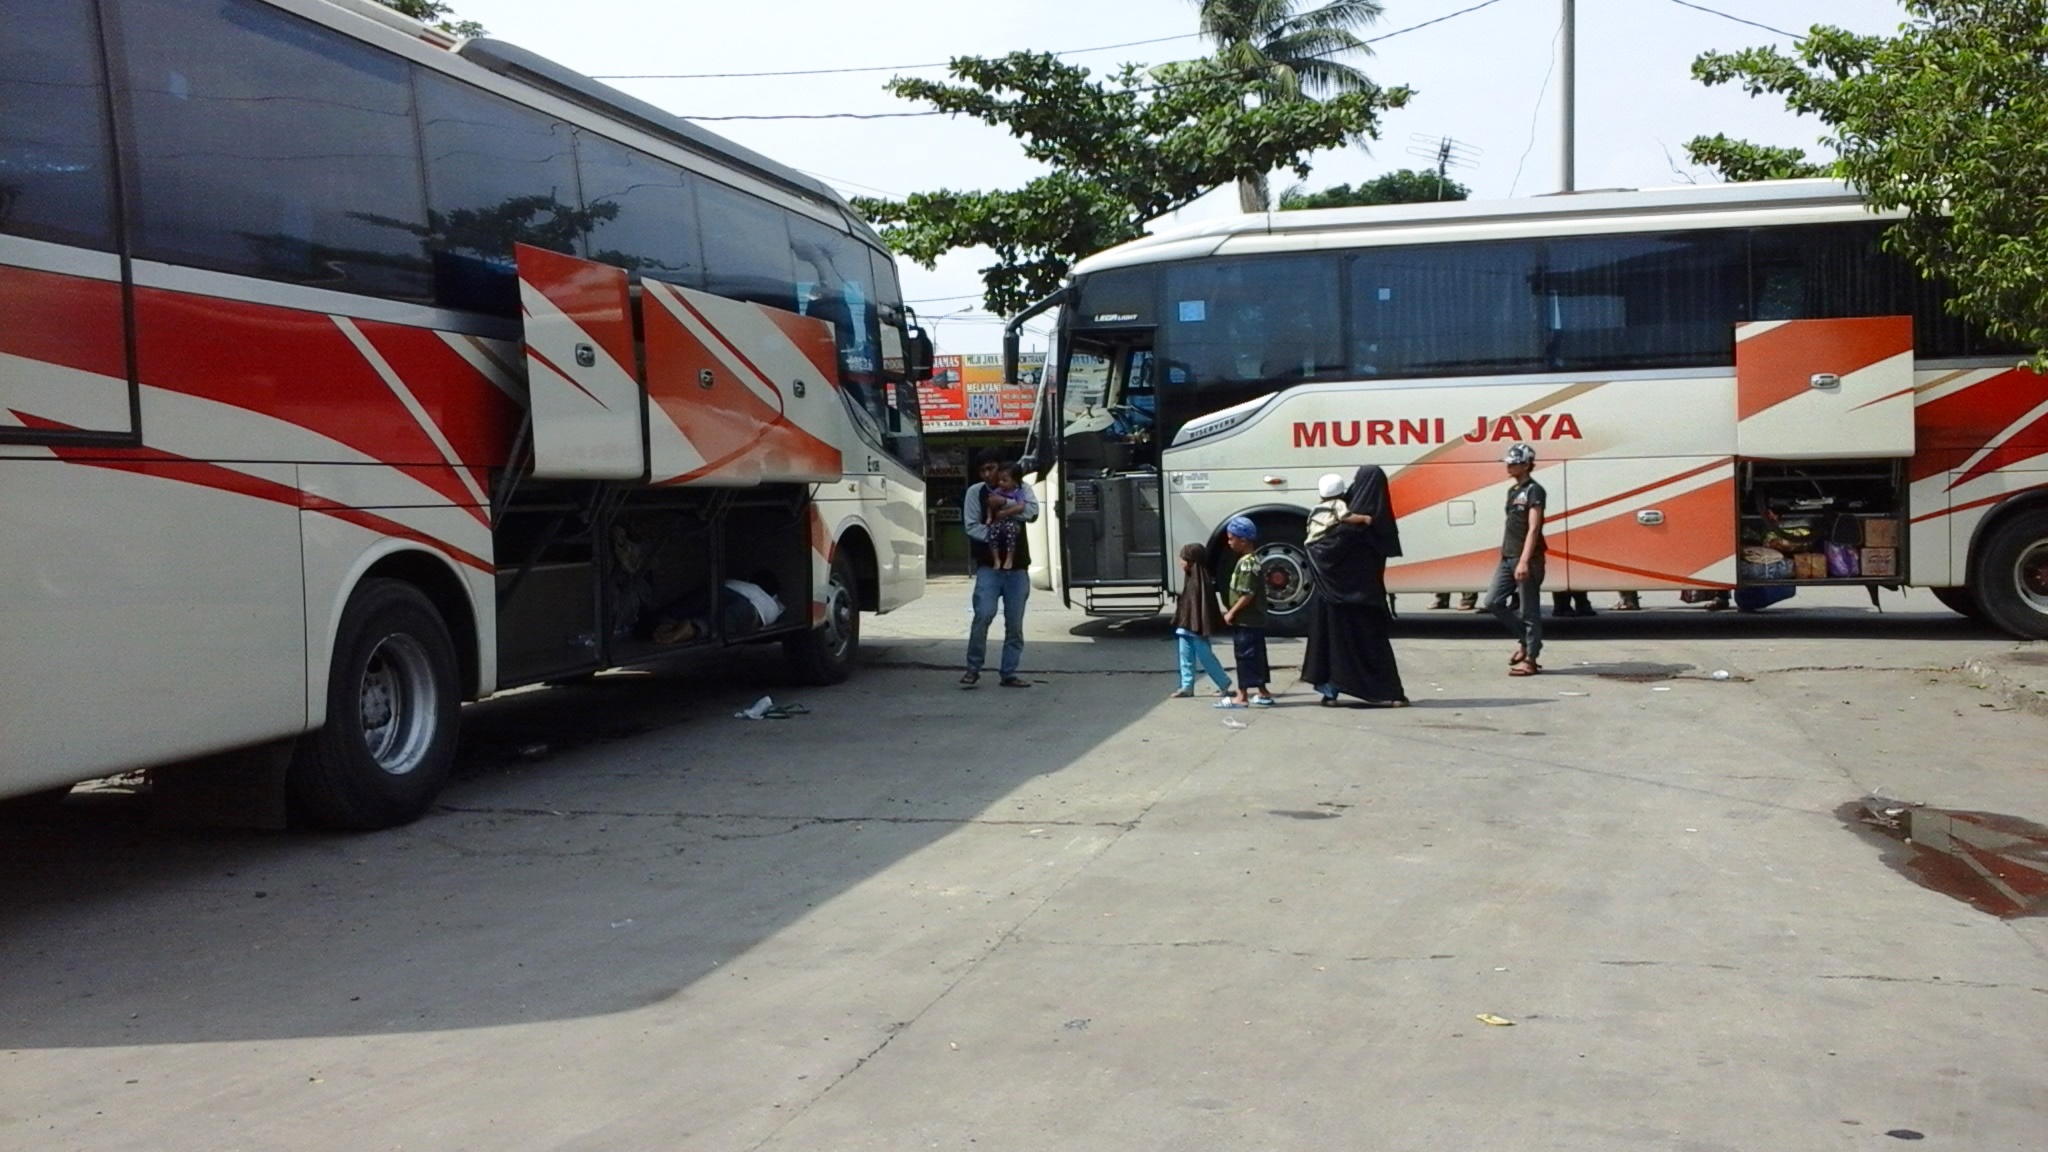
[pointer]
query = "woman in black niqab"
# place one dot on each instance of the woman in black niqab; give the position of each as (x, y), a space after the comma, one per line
(1349, 648)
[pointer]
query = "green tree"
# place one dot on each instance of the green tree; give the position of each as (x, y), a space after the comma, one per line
(437, 14)
(1947, 120)
(1406, 186)
(1293, 54)
(1739, 160)
(1120, 152)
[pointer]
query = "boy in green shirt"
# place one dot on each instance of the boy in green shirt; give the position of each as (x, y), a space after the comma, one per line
(1247, 616)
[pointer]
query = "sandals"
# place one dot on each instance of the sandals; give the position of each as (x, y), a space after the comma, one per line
(1014, 682)
(1180, 694)
(970, 679)
(1525, 668)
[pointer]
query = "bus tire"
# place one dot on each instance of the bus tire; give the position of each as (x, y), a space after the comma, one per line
(1283, 560)
(2010, 578)
(1959, 600)
(393, 695)
(825, 654)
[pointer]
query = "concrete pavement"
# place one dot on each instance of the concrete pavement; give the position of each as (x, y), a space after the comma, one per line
(1084, 916)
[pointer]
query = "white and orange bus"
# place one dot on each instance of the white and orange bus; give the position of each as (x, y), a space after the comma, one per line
(1727, 385)
(347, 373)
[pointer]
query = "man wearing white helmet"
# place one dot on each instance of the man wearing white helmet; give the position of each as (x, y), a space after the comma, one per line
(1520, 575)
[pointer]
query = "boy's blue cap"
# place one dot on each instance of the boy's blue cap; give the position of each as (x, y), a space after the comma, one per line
(1242, 528)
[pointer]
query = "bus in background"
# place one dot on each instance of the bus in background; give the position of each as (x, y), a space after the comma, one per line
(1726, 386)
(346, 374)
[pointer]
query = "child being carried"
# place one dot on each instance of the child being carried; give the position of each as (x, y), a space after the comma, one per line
(1004, 503)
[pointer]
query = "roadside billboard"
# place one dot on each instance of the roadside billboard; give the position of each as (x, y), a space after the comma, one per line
(966, 393)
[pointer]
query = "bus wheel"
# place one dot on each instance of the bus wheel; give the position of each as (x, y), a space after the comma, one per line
(1290, 581)
(824, 655)
(392, 697)
(2012, 576)
(1959, 600)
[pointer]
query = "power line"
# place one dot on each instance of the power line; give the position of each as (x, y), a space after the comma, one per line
(1737, 19)
(1539, 108)
(1427, 23)
(1149, 88)
(871, 68)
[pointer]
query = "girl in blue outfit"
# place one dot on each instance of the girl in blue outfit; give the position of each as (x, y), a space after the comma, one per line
(1196, 618)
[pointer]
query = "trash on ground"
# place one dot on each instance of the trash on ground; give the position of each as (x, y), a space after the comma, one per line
(767, 709)
(1720, 674)
(534, 751)
(1496, 1021)
(1573, 693)
(1661, 688)
(1229, 723)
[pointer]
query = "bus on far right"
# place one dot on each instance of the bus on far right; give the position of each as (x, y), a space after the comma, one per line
(1727, 386)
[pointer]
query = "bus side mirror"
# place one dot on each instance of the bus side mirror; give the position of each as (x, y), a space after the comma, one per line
(917, 355)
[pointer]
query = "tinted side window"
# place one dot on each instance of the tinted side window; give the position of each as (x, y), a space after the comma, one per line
(56, 169)
(1833, 270)
(1120, 298)
(1263, 322)
(1825, 272)
(269, 146)
(835, 281)
(1447, 310)
(905, 427)
(1660, 301)
(641, 212)
(746, 247)
(498, 174)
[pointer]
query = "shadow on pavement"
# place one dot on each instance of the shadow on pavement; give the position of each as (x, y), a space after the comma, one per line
(604, 847)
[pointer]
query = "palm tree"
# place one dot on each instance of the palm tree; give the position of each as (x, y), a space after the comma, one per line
(1293, 53)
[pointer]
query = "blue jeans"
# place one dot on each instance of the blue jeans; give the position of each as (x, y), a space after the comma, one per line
(1012, 586)
(1195, 654)
(1525, 619)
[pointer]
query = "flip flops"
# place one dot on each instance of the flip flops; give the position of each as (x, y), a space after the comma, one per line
(1525, 668)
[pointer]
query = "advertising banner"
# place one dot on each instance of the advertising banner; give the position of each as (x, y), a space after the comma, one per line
(967, 394)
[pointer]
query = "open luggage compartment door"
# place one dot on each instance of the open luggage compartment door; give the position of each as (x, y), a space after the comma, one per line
(1824, 389)
(587, 406)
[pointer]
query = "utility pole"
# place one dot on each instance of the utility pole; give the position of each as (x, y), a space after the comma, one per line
(1566, 179)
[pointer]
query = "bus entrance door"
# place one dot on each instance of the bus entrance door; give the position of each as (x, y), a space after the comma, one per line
(1111, 519)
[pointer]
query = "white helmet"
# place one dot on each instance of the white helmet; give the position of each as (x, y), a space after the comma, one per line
(1519, 454)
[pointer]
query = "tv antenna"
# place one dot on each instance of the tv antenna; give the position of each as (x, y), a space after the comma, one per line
(1444, 154)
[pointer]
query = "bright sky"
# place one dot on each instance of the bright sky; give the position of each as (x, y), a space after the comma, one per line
(1484, 78)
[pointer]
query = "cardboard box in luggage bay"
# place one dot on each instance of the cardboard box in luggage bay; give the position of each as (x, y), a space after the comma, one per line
(1880, 561)
(1880, 532)
(1809, 566)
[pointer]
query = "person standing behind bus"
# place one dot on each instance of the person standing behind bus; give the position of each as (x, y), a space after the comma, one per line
(1520, 574)
(1009, 586)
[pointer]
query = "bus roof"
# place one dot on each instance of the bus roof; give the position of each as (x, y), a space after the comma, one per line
(1576, 213)
(538, 71)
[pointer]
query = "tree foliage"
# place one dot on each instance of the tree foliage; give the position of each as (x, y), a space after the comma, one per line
(1292, 54)
(1947, 120)
(436, 14)
(1119, 152)
(1740, 160)
(1406, 186)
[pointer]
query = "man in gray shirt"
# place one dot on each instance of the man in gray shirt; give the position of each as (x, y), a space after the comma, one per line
(1011, 586)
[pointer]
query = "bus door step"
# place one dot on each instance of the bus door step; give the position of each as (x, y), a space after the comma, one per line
(1123, 601)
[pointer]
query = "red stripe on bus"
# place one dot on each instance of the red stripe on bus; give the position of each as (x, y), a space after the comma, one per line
(199, 473)
(1979, 503)
(1950, 429)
